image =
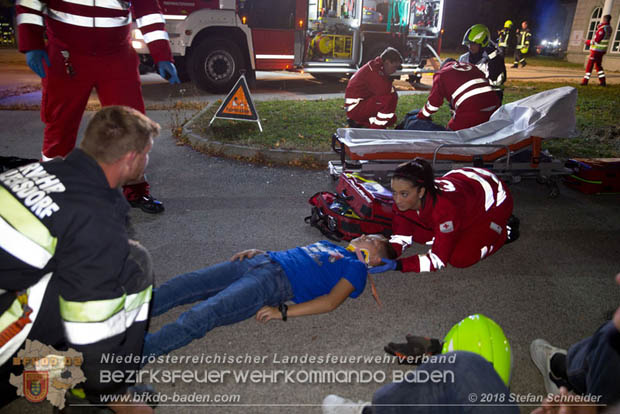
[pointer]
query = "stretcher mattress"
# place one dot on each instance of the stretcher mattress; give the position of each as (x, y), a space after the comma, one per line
(548, 114)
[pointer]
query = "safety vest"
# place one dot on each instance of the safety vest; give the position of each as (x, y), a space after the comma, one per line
(603, 32)
(504, 36)
(524, 39)
(17, 321)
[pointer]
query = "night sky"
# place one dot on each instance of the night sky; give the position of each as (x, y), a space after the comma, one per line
(546, 18)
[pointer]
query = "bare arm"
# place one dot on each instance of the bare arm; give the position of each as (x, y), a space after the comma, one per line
(246, 254)
(322, 304)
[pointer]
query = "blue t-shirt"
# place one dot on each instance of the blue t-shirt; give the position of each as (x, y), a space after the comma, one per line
(315, 269)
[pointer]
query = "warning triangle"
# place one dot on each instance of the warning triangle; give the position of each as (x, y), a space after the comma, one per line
(238, 103)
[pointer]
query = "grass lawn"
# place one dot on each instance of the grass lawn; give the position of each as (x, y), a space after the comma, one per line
(309, 125)
(534, 60)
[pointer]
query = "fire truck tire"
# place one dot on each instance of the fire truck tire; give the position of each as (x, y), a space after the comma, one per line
(181, 64)
(216, 64)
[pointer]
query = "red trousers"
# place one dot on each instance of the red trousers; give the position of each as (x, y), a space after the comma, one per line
(595, 60)
(115, 77)
(377, 112)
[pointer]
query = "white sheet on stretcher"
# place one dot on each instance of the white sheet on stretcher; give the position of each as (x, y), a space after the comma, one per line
(548, 114)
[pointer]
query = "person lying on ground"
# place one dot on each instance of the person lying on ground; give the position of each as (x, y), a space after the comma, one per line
(318, 278)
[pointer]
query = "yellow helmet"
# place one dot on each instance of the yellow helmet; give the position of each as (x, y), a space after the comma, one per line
(508, 24)
(483, 336)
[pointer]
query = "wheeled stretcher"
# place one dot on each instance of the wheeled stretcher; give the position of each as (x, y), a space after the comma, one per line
(509, 144)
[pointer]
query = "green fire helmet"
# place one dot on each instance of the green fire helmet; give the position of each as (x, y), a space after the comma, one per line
(478, 33)
(482, 336)
(508, 24)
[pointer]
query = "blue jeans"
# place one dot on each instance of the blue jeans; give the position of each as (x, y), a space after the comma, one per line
(413, 123)
(476, 388)
(226, 293)
(593, 364)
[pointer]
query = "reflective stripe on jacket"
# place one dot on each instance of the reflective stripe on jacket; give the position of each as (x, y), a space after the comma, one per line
(600, 43)
(523, 37)
(60, 220)
(91, 26)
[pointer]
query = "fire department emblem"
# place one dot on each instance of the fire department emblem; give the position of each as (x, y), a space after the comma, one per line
(35, 385)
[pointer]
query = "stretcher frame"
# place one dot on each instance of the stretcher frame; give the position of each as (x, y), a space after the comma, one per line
(378, 165)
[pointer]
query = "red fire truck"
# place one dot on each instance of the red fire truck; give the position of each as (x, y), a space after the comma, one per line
(214, 41)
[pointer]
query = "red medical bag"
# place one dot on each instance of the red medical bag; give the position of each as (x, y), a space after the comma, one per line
(369, 199)
(594, 175)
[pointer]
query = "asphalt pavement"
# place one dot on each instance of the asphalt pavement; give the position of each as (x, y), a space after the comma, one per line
(555, 282)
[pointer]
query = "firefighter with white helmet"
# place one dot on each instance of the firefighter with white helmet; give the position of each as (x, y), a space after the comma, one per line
(483, 53)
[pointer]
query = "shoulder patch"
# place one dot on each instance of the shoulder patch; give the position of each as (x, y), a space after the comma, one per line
(446, 227)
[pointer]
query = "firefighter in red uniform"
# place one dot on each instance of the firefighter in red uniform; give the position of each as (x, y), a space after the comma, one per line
(466, 215)
(370, 98)
(467, 89)
(598, 47)
(89, 47)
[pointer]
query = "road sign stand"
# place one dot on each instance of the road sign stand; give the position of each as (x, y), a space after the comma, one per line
(238, 105)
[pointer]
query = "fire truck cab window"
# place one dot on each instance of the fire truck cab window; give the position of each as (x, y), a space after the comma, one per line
(269, 14)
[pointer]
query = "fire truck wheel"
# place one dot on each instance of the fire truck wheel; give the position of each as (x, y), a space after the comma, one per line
(215, 65)
(181, 64)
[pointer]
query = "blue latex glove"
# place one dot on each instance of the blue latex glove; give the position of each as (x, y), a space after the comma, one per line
(385, 267)
(168, 71)
(34, 59)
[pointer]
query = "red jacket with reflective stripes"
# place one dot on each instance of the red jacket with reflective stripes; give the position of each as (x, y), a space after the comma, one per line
(467, 90)
(101, 28)
(369, 80)
(467, 196)
(600, 43)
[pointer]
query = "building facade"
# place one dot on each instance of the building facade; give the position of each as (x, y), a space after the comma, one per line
(588, 15)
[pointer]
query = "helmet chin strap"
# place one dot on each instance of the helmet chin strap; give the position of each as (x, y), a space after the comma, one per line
(365, 254)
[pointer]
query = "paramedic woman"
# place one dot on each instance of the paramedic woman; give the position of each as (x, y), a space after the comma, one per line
(467, 214)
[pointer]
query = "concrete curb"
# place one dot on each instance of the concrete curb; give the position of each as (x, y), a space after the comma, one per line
(264, 155)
